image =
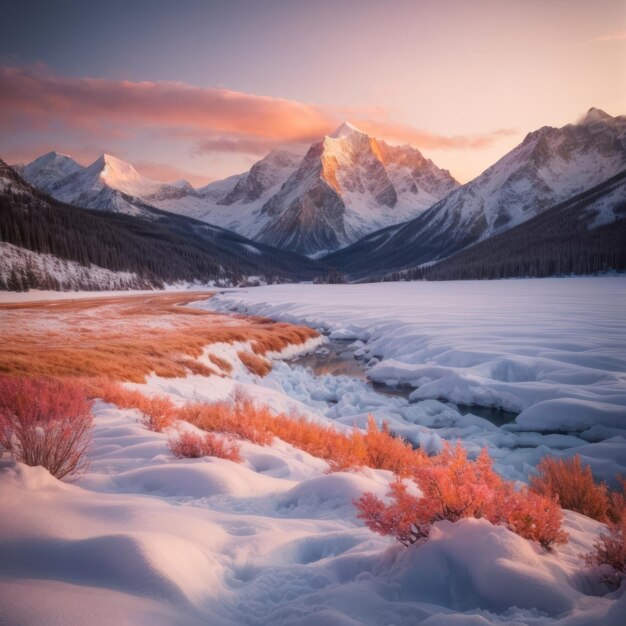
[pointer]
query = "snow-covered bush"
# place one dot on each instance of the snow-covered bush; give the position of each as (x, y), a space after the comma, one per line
(454, 488)
(192, 446)
(45, 422)
(573, 485)
(609, 550)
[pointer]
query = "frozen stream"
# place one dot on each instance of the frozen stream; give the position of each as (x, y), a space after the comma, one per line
(339, 357)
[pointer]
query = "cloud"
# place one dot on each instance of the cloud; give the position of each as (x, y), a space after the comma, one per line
(609, 37)
(210, 119)
(238, 144)
(96, 105)
(424, 139)
(169, 173)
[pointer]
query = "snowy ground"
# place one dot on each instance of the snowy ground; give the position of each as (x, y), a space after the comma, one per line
(553, 350)
(143, 538)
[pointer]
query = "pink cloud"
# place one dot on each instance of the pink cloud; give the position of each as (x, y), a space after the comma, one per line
(212, 119)
(621, 36)
(169, 173)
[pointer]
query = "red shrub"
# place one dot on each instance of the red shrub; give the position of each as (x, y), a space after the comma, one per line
(617, 502)
(532, 516)
(45, 422)
(454, 488)
(610, 550)
(192, 446)
(573, 485)
(405, 518)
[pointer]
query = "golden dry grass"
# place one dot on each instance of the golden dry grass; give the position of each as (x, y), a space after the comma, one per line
(222, 364)
(256, 364)
(126, 338)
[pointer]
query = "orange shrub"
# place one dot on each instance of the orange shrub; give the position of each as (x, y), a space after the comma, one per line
(383, 450)
(223, 364)
(533, 516)
(45, 422)
(192, 446)
(454, 488)
(241, 417)
(573, 485)
(158, 412)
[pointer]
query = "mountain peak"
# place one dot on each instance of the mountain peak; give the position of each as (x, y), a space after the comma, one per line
(346, 129)
(595, 115)
(51, 157)
(112, 162)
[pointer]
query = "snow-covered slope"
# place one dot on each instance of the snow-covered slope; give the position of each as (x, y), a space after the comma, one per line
(47, 170)
(549, 166)
(51, 272)
(104, 185)
(145, 538)
(236, 202)
(348, 185)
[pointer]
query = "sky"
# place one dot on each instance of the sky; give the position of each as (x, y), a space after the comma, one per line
(202, 89)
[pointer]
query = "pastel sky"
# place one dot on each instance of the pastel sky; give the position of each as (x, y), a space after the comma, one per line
(202, 89)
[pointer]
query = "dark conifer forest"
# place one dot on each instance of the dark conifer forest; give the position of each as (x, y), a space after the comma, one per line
(161, 247)
(560, 241)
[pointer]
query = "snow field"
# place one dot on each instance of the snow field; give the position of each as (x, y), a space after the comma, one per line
(273, 540)
(146, 538)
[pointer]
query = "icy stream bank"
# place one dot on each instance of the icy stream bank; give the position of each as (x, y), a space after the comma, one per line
(552, 350)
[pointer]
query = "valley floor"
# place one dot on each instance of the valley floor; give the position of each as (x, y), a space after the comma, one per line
(142, 537)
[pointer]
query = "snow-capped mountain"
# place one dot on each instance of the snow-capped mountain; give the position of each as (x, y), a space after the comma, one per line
(347, 185)
(108, 184)
(47, 170)
(236, 202)
(548, 167)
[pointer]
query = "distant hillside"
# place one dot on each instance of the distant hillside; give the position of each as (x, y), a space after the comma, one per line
(583, 235)
(159, 247)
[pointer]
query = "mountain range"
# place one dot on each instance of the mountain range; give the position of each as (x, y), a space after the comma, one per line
(343, 187)
(548, 167)
(45, 243)
(367, 209)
